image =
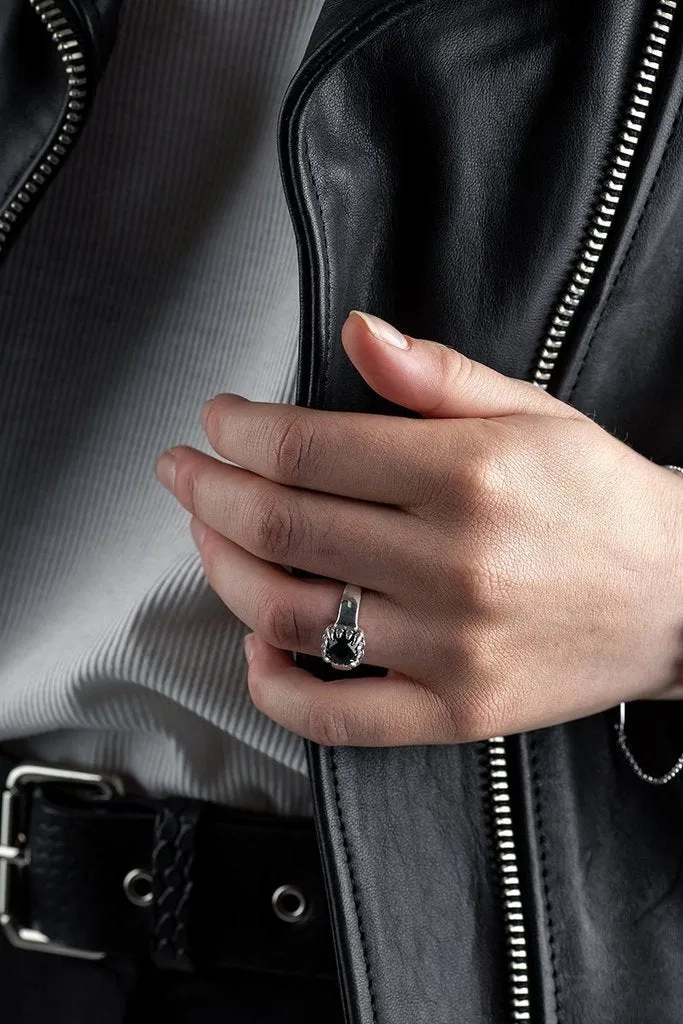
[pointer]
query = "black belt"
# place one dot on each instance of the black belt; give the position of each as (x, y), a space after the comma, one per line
(86, 871)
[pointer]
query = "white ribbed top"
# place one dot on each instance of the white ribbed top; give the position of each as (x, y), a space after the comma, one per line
(159, 269)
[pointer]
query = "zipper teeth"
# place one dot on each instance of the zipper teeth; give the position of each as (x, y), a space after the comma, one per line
(602, 219)
(515, 931)
(71, 52)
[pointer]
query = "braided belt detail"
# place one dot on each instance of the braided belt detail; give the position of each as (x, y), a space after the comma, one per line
(173, 855)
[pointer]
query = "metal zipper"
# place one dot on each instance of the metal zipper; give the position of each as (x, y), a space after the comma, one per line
(504, 834)
(611, 191)
(601, 222)
(71, 49)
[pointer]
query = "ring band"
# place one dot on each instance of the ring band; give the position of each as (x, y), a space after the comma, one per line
(343, 642)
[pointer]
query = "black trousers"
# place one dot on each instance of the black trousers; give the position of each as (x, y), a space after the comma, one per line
(40, 988)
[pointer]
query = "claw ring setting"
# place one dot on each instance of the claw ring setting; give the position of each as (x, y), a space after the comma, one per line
(343, 642)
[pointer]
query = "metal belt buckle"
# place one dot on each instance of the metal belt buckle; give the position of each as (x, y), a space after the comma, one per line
(15, 854)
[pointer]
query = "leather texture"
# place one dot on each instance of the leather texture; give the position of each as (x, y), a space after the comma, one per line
(441, 159)
(213, 874)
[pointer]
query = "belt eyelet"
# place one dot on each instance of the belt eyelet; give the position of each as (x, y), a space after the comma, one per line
(137, 886)
(289, 903)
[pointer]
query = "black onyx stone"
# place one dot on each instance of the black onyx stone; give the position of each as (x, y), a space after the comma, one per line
(341, 652)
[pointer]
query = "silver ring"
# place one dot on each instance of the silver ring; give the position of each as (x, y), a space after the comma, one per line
(343, 642)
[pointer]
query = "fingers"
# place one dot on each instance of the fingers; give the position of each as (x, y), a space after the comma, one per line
(391, 710)
(435, 380)
(324, 534)
(384, 459)
(291, 613)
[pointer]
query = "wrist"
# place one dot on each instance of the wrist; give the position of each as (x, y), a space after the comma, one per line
(672, 577)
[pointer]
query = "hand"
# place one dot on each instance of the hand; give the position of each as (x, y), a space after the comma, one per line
(521, 567)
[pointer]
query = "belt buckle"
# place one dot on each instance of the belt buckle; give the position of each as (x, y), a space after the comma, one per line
(15, 854)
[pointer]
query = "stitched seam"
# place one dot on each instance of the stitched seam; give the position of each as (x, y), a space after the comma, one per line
(326, 56)
(543, 850)
(326, 261)
(354, 887)
(318, 71)
(325, 378)
(622, 265)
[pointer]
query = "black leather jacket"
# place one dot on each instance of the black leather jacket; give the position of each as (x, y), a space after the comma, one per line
(504, 176)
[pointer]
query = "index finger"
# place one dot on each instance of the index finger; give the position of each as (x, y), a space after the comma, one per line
(388, 459)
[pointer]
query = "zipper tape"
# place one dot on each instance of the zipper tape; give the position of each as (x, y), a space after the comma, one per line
(610, 192)
(71, 49)
(601, 222)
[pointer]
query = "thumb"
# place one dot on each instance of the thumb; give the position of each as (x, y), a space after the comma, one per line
(435, 380)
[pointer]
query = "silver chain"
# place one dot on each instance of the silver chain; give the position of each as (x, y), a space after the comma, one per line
(622, 743)
(652, 780)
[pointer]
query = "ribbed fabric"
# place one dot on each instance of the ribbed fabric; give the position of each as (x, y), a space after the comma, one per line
(159, 269)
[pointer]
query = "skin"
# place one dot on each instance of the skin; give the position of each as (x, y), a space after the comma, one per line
(521, 566)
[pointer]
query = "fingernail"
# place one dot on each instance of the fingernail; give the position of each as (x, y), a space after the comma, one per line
(205, 410)
(198, 531)
(166, 470)
(382, 330)
(249, 647)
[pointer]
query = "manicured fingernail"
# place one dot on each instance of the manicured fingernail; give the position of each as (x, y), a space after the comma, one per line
(382, 330)
(249, 647)
(166, 470)
(198, 531)
(205, 410)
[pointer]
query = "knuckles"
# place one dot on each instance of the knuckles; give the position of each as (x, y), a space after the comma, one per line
(472, 477)
(287, 439)
(327, 723)
(278, 621)
(275, 529)
(485, 577)
(294, 451)
(478, 691)
(480, 482)
(283, 532)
